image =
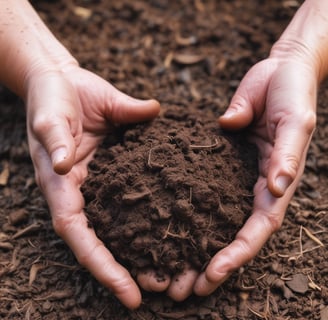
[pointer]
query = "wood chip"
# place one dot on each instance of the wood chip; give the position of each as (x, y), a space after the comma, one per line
(6, 246)
(82, 12)
(4, 175)
(18, 216)
(299, 283)
(133, 197)
(34, 271)
(28, 230)
(187, 59)
(185, 41)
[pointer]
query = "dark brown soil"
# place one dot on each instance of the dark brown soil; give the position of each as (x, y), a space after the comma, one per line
(170, 192)
(190, 55)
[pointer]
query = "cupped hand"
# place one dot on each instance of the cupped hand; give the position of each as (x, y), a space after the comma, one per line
(68, 114)
(276, 102)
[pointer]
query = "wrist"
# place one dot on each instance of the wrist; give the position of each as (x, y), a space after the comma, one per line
(48, 65)
(305, 40)
(27, 47)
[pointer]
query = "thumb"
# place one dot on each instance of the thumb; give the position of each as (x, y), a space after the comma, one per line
(124, 109)
(249, 100)
(53, 122)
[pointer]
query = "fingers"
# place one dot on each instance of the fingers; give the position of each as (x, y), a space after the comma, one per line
(150, 280)
(249, 100)
(267, 217)
(178, 288)
(281, 100)
(92, 254)
(286, 159)
(240, 251)
(246, 245)
(182, 285)
(291, 123)
(66, 203)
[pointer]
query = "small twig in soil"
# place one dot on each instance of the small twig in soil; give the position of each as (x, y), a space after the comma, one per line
(102, 312)
(56, 295)
(266, 314)
(300, 241)
(261, 277)
(33, 272)
(258, 314)
(50, 263)
(313, 285)
(31, 228)
(267, 304)
(152, 164)
(6, 246)
(14, 261)
(246, 288)
(209, 146)
(312, 237)
(183, 235)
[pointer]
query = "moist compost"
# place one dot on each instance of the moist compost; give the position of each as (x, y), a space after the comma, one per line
(169, 194)
(190, 55)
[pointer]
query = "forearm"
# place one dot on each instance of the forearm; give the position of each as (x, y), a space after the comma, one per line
(307, 35)
(26, 46)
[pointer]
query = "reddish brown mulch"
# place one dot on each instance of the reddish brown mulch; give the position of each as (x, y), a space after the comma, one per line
(189, 55)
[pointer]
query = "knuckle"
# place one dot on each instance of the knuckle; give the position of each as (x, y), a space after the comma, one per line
(307, 121)
(273, 221)
(121, 285)
(85, 257)
(61, 224)
(42, 123)
(292, 162)
(58, 227)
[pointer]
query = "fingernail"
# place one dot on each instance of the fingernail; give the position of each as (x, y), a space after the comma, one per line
(282, 183)
(59, 155)
(229, 113)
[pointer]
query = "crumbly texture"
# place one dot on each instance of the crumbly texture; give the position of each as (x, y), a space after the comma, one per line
(172, 192)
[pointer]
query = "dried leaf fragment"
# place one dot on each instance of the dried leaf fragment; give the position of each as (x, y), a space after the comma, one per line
(188, 58)
(82, 12)
(299, 283)
(4, 175)
(33, 272)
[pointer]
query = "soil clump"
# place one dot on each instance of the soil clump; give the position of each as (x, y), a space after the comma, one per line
(171, 193)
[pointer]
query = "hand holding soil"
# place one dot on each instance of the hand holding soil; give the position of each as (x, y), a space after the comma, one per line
(166, 196)
(69, 111)
(98, 107)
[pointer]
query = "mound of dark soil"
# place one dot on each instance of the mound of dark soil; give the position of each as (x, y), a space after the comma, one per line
(170, 192)
(145, 49)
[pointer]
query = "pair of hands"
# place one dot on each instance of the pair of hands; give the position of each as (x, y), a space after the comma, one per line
(69, 112)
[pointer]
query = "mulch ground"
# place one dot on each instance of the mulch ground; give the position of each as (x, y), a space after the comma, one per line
(190, 55)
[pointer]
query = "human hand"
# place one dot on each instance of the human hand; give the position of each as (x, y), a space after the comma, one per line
(277, 101)
(68, 114)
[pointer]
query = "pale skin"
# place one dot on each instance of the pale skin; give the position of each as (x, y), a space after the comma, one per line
(69, 110)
